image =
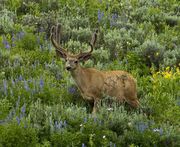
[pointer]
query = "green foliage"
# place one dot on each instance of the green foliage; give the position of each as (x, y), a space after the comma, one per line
(40, 105)
(28, 42)
(14, 135)
(152, 52)
(6, 21)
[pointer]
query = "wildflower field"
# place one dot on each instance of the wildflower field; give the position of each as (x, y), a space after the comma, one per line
(40, 105)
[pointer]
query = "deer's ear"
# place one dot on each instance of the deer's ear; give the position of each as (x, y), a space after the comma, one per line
(84, 57)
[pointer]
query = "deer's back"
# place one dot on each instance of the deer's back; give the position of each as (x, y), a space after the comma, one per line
(119, 84)
(113, 83)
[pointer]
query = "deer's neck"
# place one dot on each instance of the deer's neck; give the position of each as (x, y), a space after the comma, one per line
(79, 76)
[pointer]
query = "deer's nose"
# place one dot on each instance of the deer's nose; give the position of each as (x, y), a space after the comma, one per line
(68, 68)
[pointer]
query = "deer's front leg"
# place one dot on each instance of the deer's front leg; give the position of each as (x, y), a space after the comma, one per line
(91, 98)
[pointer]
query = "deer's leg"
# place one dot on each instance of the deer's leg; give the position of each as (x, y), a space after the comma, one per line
(134, 103)
(95, 107)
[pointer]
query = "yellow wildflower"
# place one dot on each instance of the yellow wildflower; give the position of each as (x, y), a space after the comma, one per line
(167, 68)
(167, 75)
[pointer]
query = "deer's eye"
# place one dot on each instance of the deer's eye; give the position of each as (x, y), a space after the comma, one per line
(76, 61)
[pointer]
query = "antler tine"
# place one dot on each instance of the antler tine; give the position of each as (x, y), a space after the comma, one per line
(58, 33)
(94, 37)
(93, 40)
(55, 38)
(92, 43)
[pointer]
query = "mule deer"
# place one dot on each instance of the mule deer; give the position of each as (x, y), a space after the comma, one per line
(93, 83)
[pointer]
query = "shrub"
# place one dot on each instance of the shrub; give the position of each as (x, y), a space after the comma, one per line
(28, 42)
(17, 135)
(152, 52)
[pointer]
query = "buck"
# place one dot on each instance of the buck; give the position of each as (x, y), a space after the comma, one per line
(93, 83)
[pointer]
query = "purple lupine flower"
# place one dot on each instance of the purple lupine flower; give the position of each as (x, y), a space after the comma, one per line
(60, 125)
(100, 15)
(5, 43)
(72, 89)
(20, 35)
(13, 37)
(110, 144)
(141, 126)
(7, 46)
(18, 120)
(114, 16)
(26, 85)
(83, 145)
(113, 19)
(95, 119)
(85, 119)
(23, 109)
(41, 83)
(56, 124)
(20, 78)
(5, 87)
(13, 40)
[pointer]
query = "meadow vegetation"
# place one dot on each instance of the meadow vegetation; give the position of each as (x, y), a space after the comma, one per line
(40, 104)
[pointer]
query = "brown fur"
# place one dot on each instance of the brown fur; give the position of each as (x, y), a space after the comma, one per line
(94, 83)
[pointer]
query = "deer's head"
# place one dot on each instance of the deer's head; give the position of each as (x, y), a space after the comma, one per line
(72, 60)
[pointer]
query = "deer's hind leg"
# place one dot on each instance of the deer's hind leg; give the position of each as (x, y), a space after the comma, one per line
(95, 106)
(134, 103)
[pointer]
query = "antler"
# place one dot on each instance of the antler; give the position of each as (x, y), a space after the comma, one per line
(55, 39)
(92, 44)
